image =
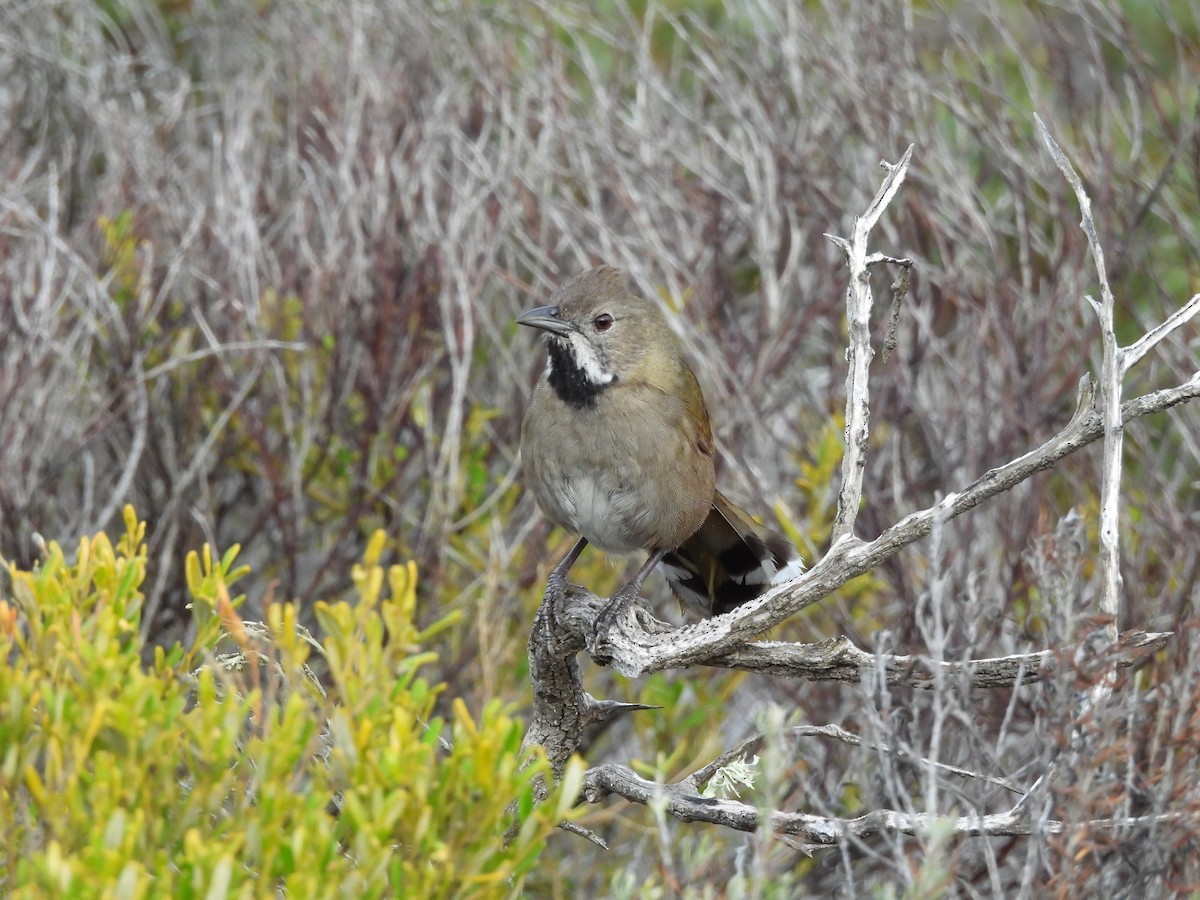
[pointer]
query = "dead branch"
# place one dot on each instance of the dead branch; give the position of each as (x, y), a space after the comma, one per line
(682, 802)
(839, 660)
(859, 301)
(814, 832)
(640, 645)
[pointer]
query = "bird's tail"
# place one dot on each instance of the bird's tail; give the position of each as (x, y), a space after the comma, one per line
(729, 561)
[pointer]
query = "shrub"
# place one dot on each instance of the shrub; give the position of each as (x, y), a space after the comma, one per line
(211, 773)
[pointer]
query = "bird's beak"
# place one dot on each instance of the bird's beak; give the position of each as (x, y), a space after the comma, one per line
(546, 318)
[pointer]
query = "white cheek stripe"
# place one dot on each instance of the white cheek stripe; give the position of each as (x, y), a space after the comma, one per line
(588, 362)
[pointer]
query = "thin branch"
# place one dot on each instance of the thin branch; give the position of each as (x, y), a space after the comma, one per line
(902, 261)
(899, 292)
(119, 495)
(884, 195)
(1147, 342)
(574, 828)
(1110, 398)
(755, 742)
(839, 660)
(176, 362)
(682, 802)
(859, 353)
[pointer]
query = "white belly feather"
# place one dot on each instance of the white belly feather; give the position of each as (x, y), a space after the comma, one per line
(608, 519)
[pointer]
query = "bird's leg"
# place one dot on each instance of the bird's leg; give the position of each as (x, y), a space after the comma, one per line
(556, 584)
(620, 601)
(558, 578)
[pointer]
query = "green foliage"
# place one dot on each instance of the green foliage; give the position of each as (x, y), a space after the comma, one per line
(120, 255)
(238, 774)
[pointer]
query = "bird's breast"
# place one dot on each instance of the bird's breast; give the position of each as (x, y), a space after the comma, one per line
(626, 473)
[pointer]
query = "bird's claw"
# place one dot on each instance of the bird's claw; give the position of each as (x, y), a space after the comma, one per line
(599, 645)
(551, 610)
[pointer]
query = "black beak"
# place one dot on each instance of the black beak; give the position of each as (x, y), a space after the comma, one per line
(546, 318)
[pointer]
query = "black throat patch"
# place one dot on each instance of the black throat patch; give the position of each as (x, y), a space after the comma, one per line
(569, 381)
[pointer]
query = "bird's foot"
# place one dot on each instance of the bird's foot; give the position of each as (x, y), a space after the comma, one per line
(556, 589)
(598, 644)
(553, 602)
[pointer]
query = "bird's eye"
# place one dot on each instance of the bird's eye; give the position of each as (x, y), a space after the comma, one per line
(603, 322)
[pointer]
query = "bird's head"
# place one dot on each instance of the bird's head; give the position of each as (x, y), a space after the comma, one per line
(601, 334)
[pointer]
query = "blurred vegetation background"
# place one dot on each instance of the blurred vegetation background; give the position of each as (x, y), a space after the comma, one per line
(259, 263)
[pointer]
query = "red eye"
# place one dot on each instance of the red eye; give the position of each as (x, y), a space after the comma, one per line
(603, 322)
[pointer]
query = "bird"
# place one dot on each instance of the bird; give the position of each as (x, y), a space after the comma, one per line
(617, 447)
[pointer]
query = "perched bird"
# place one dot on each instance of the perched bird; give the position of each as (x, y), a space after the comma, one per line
(617, 448)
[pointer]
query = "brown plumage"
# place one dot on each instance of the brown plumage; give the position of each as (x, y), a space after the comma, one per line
(617, 448)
